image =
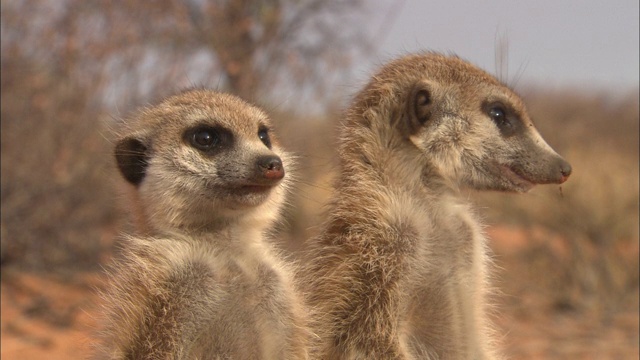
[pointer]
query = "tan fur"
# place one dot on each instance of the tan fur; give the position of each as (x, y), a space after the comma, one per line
(202, 282)
(400, 268)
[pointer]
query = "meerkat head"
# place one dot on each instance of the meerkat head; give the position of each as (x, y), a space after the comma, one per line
(473, 129)
(200, 157)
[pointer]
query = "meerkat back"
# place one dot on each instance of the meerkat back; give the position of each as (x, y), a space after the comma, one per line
(199, 281)
(399, 270)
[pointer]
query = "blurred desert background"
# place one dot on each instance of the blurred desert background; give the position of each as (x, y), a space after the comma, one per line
(567, 258)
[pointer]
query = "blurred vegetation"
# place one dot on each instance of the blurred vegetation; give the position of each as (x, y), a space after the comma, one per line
(55, 207)
(69, 67)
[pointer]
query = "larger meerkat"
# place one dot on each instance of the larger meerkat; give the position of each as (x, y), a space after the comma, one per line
(201, 282)
(400, 268)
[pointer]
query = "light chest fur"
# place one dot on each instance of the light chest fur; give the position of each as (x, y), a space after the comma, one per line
(196, 288)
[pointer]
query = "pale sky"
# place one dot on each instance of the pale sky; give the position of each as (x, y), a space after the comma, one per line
(555, 43)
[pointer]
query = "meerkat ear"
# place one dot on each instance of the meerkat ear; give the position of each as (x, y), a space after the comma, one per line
(131, 157)
(419, 106)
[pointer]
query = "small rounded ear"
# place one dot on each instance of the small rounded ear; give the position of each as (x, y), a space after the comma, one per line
(419, 107)
(131, 157)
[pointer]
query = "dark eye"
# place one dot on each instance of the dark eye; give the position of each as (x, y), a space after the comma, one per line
(505, 117)
(205, 139)
(498, 116)
(263, 134)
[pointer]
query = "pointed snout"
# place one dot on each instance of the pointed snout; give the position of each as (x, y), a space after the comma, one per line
(270, 167)
(558, 171)
(550, 169)
(540, 164)
(565, 170)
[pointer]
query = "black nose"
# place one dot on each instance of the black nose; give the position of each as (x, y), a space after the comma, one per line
(565, 170)
(271, 167)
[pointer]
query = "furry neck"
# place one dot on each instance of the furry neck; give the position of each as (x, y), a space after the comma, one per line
(202, 222)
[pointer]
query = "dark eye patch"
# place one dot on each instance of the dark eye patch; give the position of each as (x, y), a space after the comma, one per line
(205, 139)
(208, 139)
(498, 115)
(503, 116)
(263, 134)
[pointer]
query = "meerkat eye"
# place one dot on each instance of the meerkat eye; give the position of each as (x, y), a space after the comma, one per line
(263, 134)
(504, 120)
(205, 139)
(498, 115)
(208, 139)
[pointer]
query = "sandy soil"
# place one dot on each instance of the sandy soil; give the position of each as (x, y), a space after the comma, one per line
(46, 317)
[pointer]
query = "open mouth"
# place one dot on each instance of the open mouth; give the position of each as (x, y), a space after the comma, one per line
(241, 191)
(518, 181)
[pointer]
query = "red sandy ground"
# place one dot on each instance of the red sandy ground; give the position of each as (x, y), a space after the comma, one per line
(52, 318)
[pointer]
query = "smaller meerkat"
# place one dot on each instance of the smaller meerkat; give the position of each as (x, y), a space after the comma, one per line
(201, 282)
(399, 270)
